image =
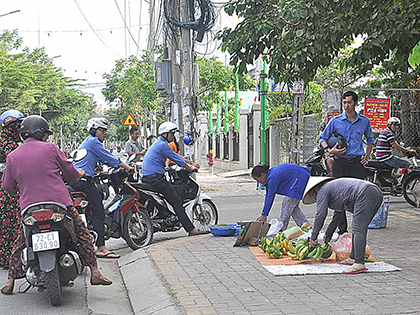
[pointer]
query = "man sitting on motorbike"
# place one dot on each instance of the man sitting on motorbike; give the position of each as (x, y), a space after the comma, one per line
(386, 141)
(37, 168)
(153, 170)
(96, 153)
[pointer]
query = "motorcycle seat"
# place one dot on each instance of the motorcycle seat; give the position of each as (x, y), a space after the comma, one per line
(377, 164)
(142, 186)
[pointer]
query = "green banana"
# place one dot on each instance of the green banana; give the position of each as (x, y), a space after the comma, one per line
(318, 253)
(313, 251)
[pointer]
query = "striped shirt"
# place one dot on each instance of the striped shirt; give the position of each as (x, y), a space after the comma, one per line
(384, 146)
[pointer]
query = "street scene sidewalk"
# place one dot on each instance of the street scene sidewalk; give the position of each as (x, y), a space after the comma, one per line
(207, 275)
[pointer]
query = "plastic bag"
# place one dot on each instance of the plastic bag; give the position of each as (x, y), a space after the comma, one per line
(342, 247)
(275, 227)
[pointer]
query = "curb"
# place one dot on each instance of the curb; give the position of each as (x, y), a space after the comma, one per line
(146, 287)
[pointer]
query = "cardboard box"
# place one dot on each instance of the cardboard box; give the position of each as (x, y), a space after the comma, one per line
(252, 232)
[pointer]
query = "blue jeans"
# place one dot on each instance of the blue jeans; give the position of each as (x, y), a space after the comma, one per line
(396, 162)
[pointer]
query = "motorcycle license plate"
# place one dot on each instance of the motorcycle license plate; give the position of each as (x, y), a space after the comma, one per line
(45, 241)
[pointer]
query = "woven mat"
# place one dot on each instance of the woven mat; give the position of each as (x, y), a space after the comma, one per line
(287, 266)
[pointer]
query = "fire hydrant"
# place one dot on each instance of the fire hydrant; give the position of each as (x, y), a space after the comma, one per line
(211, 162)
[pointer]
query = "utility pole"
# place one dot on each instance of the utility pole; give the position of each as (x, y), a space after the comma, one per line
(151, 39)
(187, 69)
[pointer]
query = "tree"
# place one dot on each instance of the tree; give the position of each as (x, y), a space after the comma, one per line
(301, 36)
(29, 82)
(131, 85)
(215, 77)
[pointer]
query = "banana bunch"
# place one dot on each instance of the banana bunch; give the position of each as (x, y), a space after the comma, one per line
(282, 243)
(320, 252)
(301, 249)
(270, 248)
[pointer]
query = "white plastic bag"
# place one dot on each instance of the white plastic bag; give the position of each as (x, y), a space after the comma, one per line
(275, 227)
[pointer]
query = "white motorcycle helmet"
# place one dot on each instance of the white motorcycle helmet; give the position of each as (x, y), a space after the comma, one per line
(394, 121)
(167, 127)
(94, 123)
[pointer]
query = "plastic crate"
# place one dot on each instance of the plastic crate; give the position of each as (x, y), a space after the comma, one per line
(381, 217)
(223, 229)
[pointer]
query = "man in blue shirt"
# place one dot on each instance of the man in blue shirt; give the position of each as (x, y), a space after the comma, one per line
(153, 170)
(288, 180)
(348, 162)
(97, 127)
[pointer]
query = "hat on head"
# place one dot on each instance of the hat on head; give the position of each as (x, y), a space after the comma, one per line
(312, 183)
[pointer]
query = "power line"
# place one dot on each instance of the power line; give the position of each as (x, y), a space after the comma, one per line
(125, 23)
(97, 34)
(81, 31)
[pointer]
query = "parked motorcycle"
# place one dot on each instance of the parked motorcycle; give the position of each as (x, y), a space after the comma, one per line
(125, 216)
(316, 163)
(406, 183)
(199, 207)
(51, 257)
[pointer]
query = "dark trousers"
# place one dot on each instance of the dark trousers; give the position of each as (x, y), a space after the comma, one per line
(343, 167)
(159, 182)
(94, 196)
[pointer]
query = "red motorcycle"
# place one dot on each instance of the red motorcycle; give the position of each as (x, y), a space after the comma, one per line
(125, 216)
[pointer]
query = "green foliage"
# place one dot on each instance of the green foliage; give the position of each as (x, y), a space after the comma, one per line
(131, 85)
(281, 105)
(301, 36)
(414, 58)
(216, 77)
(29, 82)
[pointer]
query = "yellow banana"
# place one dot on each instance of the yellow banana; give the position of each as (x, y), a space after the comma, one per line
(302, 252)
(291, 255)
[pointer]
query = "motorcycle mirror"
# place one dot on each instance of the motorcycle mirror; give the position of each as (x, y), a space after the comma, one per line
(132, 157)
(77, 155)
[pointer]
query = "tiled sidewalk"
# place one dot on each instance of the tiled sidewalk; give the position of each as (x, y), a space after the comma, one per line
(207, 275)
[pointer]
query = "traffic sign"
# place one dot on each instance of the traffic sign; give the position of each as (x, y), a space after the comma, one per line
(129, 120)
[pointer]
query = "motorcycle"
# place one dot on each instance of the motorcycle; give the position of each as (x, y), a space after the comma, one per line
(316, 163)
(51, 257)
(125, 216)
(406, 183)
(199, 207)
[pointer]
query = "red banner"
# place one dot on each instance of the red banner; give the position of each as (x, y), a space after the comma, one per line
(332, 114)
(378, 111)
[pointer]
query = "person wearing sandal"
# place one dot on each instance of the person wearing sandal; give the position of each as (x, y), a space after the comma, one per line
(359, 197)
(37, 168)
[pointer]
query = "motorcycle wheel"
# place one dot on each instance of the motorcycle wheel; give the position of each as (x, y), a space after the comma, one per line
(138, 229)
(206, 215)
(52, 283)
(409, 187)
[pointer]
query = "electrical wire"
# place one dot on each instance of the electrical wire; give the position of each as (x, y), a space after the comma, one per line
(125, 23)
(96, 33)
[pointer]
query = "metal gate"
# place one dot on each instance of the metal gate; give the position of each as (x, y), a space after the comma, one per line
(250, 142)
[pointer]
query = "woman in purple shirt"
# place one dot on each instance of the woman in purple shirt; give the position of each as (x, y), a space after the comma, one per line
(37, 168)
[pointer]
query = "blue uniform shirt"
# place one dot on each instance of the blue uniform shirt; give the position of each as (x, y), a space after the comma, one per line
(95, 153)
(154, 160)
(352, 131)
(285, 179)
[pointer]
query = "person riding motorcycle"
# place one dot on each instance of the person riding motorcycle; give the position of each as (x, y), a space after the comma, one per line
(37, 169)
(153, 170)
(96, 153)
(386, 141)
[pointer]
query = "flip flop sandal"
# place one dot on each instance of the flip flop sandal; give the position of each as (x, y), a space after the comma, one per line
(107, 255)
(355, 272)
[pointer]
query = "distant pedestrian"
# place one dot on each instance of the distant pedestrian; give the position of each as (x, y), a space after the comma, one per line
(285, 179)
